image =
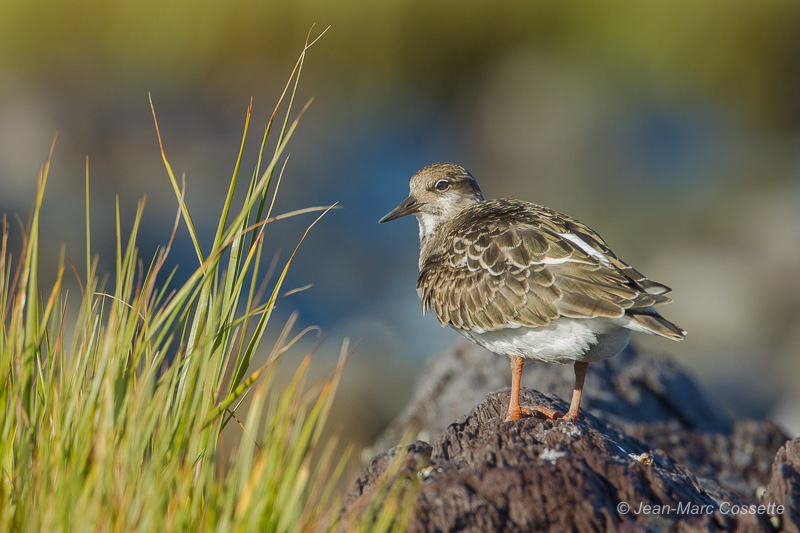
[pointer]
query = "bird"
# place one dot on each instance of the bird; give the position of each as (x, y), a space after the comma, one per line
(525, 281)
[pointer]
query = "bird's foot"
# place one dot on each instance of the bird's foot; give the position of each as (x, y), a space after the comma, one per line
(571, 416)
(517, 413)
(541, 411)
(534, 410)
(546, 412)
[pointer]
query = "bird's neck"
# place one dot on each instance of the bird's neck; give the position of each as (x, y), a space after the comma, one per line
(431, 238)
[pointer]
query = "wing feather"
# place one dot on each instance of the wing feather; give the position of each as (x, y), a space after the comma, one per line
(508, 264)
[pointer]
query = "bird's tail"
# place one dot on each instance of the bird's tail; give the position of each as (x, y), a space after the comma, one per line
(648, 320)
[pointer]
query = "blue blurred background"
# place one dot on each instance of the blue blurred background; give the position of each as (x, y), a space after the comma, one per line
(671, 128)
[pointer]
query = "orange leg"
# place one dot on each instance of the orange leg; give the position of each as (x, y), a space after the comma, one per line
(575, 404)
(515, 412)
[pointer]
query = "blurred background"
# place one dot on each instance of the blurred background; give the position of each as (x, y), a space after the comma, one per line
(671, 128)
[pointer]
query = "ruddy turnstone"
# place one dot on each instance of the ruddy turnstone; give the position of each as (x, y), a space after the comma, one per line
(525, 281)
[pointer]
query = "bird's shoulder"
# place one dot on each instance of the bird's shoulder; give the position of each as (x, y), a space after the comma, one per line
(524, 232)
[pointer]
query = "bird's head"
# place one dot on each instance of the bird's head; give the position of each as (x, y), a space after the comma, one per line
(438, 193)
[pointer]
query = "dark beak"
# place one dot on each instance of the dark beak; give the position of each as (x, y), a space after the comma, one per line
(408, 207)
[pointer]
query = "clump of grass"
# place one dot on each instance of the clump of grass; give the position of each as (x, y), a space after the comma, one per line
(111, 420)
(393, 497)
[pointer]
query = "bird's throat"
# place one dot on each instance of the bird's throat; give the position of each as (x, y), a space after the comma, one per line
(428, 224)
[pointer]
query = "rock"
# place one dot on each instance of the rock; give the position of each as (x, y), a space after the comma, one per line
(784, 486)
(649, 439)
(630, 388)
(401, 462)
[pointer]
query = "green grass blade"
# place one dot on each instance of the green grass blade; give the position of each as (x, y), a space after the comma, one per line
(109, 403)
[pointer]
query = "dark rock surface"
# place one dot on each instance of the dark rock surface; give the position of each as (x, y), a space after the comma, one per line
(648, 437)
(625, 390)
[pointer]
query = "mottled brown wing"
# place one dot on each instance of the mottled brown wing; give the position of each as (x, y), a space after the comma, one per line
(649, 292)
(501, 274)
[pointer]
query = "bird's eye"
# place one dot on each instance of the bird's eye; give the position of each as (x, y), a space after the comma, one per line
(442, 185)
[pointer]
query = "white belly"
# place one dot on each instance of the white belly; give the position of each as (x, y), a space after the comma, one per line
(564, 341)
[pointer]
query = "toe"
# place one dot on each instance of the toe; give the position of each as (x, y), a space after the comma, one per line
(546, 412)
